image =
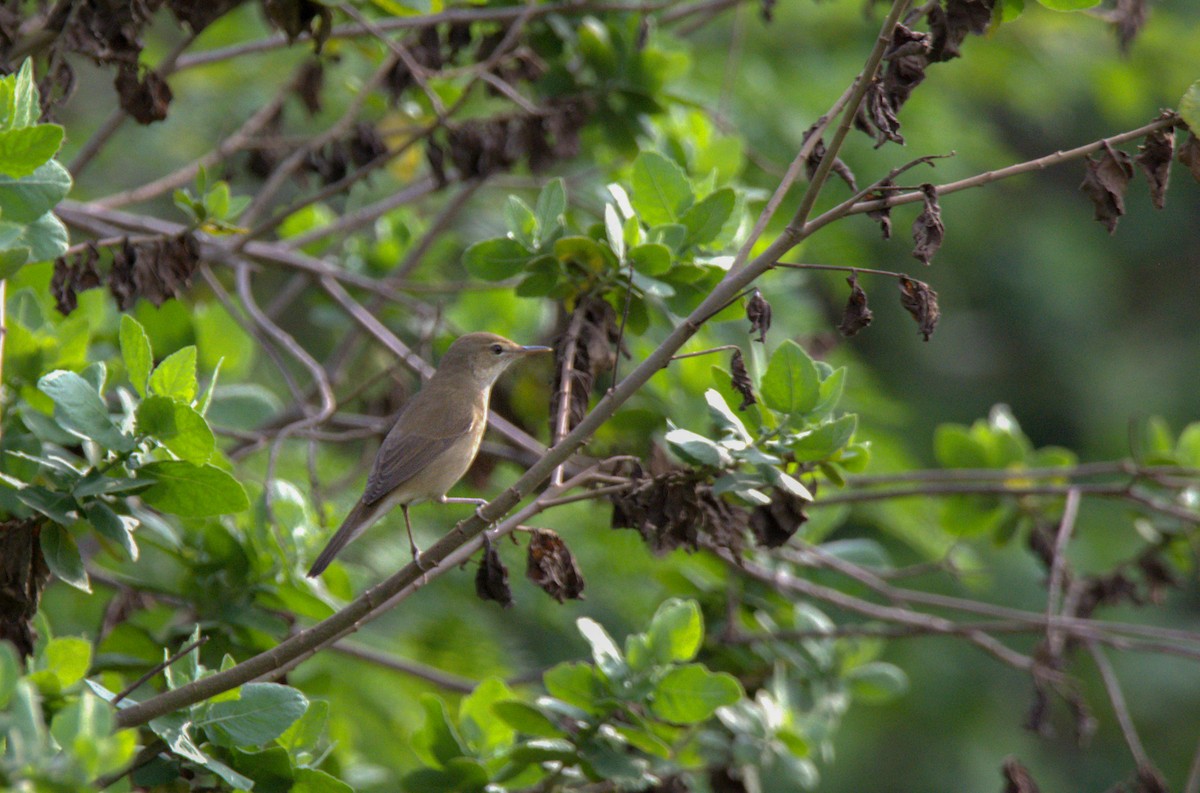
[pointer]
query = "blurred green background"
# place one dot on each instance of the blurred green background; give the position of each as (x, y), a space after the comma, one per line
(1083, 334)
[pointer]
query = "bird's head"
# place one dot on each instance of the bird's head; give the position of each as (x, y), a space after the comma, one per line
(483, 357)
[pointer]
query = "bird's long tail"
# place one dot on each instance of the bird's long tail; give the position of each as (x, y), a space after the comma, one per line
(359, 519)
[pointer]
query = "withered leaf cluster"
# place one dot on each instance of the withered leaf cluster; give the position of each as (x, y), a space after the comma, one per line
(111, 32)
(156, 269)
(143, 94)
(1154, 156)
(909, 54)
(430, 51)
(1017, 778)
(594, 354)
(921, 302)
(1189, 155)
(818, 153)
(949, 25)
(758, 311)
(23, 576)
(882, 216)
(741, 380)
(678, 509)
(1105, 183)
(491, 577)
(481, 147)
(1128, 18)
(856, 315)
(299, 17)
(552, 566)
(360, 147)
(928, 230)
(877, 115)
(308, 85)
(774, 524)
(73, 275)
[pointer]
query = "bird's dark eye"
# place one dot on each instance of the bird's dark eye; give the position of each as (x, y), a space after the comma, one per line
(497, 349)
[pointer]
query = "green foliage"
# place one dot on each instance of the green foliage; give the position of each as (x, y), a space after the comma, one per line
(31, 180)
(212, 208)
(589, 727)
(56, 734)
(159, 451)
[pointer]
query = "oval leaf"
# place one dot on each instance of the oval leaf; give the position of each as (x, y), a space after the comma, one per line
(192, 491)
(791, 383)
(691, 694)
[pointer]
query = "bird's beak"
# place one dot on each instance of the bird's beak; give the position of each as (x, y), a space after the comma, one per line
(536, 348)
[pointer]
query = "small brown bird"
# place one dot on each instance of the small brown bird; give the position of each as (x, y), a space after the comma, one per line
(434, 440)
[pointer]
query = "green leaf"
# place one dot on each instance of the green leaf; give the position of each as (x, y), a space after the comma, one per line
(62, 556)
(26, 102)
(496, 259)
(522, 223)
(22, 151)
(825, 440)
(175, 376)
(724, 416)
(661, 192)
(45, 237)
(1069, 5)
(477, 722)
(605, 652)
(695, 449)
(1187, 448)
(691, 694)
(313, 780)
(1189, 107)
(437, 742)
(86, 720)
(705, 220)
(1011, 9)
(12, 260)
(26, 199)
(551, 204)
(258, 716)
(192, 491)
(80, 410)
(136, 351)
(10, 672)
(178, 426)
(582, 251)
(785, 482)
(545, 751)
(53, 504)
(65, 661)
(524, 718)
(877, 682)
(790, 384)
(109, 525)
(576, 684)
(543, 276)
(614, 230)
(651, 258)
(676, 631)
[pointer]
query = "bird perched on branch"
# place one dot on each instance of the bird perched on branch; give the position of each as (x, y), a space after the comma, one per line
(434, 440)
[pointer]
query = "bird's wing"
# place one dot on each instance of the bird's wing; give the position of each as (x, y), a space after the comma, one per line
(405, 453)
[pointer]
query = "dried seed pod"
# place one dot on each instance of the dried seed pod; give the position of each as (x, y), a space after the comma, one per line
(928, 230)
(857, 315)
(741, 380)
(921, 302)
(491, 578)
(552, 566)
(758, 311)
(1155, 155)
(1105, 183)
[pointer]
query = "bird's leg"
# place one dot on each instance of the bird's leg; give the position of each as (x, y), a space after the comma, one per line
(412, 544)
